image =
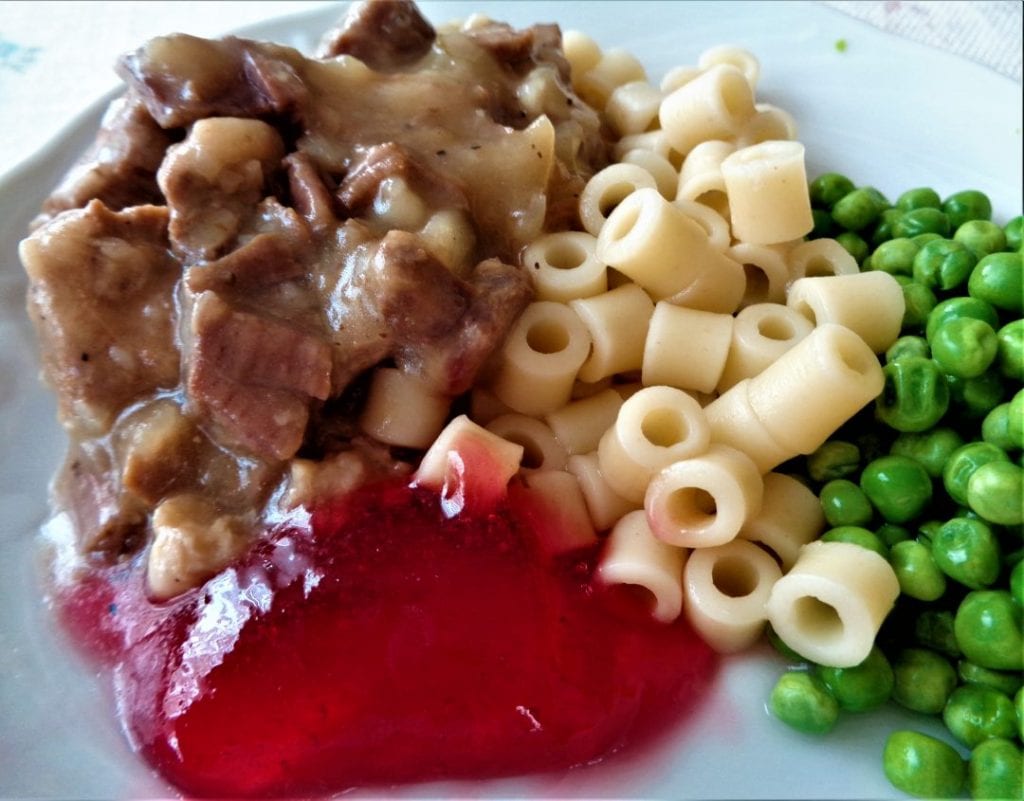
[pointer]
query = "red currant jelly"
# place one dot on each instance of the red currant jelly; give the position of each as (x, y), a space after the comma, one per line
(386, 642)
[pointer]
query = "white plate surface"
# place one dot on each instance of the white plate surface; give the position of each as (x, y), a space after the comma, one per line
(886, 112)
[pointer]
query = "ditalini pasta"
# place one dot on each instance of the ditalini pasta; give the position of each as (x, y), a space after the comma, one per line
(790, 517)
(568, 522)
(665, 176)
(542, 354)
(614, 68)
(767, 189)
(768, 123)
(401, 410)
(581, 51)
(603, 504)
(463, 442)
(564, 266)
(633, 107)
(607, 189)
(657, 245)
(719, 288)
(714, 105)
(830, 606)
(820, 257)
(871, 304)
(795, 403)
(714, 224)
(745, 61)
(704, 500)
(634, 556)
(541, 450)
(725, 591)
(617, 324)
(761, 334)
(700, 177)
(765, 271)
(580, 424)
(654, 428)
(707, 337)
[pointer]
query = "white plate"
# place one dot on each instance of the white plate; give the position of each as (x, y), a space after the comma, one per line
(886, 112)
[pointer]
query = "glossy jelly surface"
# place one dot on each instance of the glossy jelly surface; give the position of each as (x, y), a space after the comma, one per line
(386, 642)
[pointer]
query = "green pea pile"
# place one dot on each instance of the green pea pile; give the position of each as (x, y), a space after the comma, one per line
(932, 477)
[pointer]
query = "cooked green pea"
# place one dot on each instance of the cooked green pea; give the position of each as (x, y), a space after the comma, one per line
(981, 237)
(943, 264)
(1017, 416)
(784, 650)
(918, 303)
(1011, 350)
(975, 397)
(890, 534)
(862, 687)
(927, 530)
(882, 230)
(1014, 231)
(845, 504)
(935, 629)
(922, 197)
(827, 189)
(918, 574)
(963, 462)
(967, 551)
(801, 701)
(931, 449)
(996, 429)
(923, 680)
(857, 209)
(995, 771)
(834, 459)
(964, 347)
(895, 256)
(996, 492)
(923, 766)
(857, 535)
(854, 245)
(923, 239)
(974, 714)
(1017, 582)
(823, 225)
(969, 204)
(922, 221)
(952, 308)
(988, 630)
(915, 395)
(999, 279)
(909, 345)
(897, 486)
(1018, 703)
(1002, 680)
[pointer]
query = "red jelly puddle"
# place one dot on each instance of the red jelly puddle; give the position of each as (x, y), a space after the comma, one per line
(386, 645)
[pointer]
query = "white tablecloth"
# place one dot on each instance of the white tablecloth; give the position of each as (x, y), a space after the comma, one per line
(56, 57)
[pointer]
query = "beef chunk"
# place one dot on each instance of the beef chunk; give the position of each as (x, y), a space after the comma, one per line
(443, 328)
(310, 195)
(213, 179)
(257, 350)
(263, 260)
(105, 518)
(418, 298)
(183, 78)
(500, 292)
(253, 377)
(390, 160)
(101, 297)
(521, 50)
(120, 167)
(384, 34)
